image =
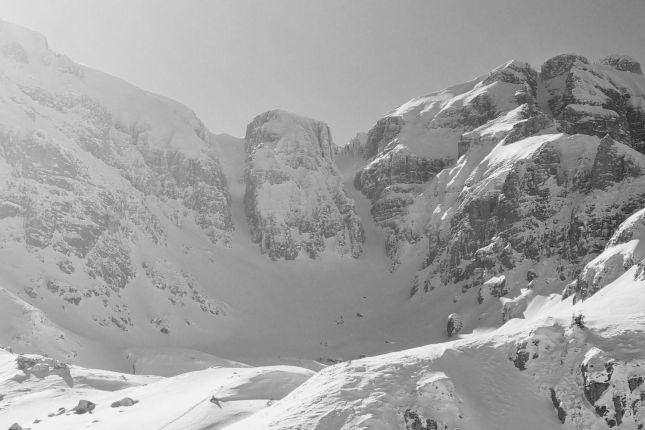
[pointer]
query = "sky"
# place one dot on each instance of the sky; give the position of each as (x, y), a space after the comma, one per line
(346, 62)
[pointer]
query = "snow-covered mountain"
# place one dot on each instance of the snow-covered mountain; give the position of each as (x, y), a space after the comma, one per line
(129, 232)
(98, 179)
(497, 226)
(294, 194)
(500, 186)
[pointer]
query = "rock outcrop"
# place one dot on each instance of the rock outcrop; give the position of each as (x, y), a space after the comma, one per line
(454, 325)
(625, 248)
(295, 201)
(597, 99)
(622, 62)
(410, 146)
(42, 367)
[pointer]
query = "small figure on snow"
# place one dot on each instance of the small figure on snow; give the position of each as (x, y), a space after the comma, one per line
(216, 401)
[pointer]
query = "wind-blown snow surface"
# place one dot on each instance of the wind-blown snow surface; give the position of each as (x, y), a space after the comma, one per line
(36, 394)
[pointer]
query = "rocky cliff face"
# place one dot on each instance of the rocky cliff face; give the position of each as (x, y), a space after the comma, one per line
(95, 176)
(624, 249)
(504, 191)
(535, 210)
(507, 191)
(597, 99)
(414, 143)
(295, 201)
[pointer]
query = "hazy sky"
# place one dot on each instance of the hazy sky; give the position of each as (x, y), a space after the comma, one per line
(346, 62)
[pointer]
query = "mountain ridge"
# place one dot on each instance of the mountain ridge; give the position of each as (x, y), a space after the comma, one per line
(504, 212)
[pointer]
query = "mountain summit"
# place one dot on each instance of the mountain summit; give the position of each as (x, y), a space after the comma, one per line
(294, 194)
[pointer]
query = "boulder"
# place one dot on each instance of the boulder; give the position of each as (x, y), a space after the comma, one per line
(454, 324)
(494, 287)
(84, 406)
(413, 421)
(531, 274)
(126, 401)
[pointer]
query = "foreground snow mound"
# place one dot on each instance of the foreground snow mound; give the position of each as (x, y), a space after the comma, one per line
(294, 198)
(542, 372)
(40, 392)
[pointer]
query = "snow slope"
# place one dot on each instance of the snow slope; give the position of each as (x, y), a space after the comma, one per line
(35, 398)
(502, 379)
(498, 380)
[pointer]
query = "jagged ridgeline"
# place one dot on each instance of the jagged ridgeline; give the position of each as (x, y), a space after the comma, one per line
(514, 169)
